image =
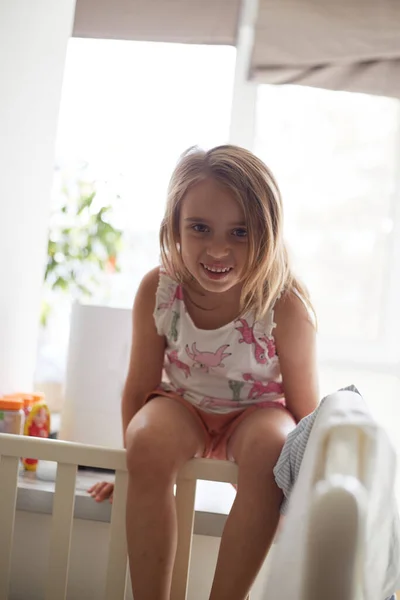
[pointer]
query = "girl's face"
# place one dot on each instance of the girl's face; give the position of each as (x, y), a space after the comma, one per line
(213, 236)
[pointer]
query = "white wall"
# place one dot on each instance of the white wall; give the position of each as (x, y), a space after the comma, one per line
(33, 44)
(88, 560)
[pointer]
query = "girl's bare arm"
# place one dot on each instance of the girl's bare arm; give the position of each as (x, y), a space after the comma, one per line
(295, 338)
(147, 351)
(145, 365)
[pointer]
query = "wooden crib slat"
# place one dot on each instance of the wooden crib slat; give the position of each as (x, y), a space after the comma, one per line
(117, 554)
(8, 498)
(61, 531)
(185, 499)
(68, 455)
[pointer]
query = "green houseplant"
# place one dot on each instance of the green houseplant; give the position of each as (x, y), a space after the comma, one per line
(83, 243)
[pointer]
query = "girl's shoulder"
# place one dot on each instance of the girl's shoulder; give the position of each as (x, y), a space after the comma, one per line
(158, 282)
(290, 310)
(147, 289)
(287, 309)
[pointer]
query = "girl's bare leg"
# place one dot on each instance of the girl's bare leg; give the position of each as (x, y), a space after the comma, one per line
(161, 437)
(250, 528)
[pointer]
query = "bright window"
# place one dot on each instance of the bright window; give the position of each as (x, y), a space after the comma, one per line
(128, 110)
(336, 158)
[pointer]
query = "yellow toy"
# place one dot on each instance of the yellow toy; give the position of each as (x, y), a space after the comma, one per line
(37, 424)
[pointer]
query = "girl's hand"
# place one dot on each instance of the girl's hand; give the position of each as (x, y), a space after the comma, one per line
(101, 491)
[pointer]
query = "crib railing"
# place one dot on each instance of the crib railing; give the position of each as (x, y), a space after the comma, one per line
(68, 455)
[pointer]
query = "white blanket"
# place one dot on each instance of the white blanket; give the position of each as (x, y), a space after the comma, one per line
(380, 575)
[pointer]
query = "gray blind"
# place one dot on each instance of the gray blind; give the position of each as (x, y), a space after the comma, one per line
(351, 45)
(184, 21)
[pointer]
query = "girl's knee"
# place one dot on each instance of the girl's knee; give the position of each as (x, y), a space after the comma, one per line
(149, 456)
(261, 438)
(161, 437)
(257, 461)
(263, 451)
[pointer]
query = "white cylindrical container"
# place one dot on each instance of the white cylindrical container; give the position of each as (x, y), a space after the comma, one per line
(98, 357)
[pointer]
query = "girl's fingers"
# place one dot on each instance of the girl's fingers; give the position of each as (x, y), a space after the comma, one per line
(96, 487)
(91, 489)
(104, 492)
(101, 490)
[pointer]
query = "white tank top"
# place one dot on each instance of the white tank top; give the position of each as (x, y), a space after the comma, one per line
(218, 370)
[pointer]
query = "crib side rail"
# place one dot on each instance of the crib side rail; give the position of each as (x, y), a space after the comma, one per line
(333, 551)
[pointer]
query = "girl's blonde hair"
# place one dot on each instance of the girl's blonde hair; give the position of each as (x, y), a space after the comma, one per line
(267, 273)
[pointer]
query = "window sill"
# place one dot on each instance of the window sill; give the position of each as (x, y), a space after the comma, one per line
(36, 493)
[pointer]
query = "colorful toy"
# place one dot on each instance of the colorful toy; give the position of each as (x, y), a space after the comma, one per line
(37, 424)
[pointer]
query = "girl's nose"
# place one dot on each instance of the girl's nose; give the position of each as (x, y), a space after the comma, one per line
(218, 248)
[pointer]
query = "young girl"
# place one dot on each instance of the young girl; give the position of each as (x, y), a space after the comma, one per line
(222, 366)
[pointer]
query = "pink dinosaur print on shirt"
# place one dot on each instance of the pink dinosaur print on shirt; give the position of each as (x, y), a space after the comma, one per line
(207, 360)
(259, 388)
(269, 342)
(174, 360)
(175, 294)
(248, 337)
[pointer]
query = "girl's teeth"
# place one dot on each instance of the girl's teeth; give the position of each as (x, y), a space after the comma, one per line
(217, 270)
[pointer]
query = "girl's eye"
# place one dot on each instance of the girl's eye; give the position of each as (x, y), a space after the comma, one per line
(200, 228)
(240, 232)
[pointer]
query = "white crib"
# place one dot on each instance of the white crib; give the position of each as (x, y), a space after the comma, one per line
(327, 562)
(68, 456)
